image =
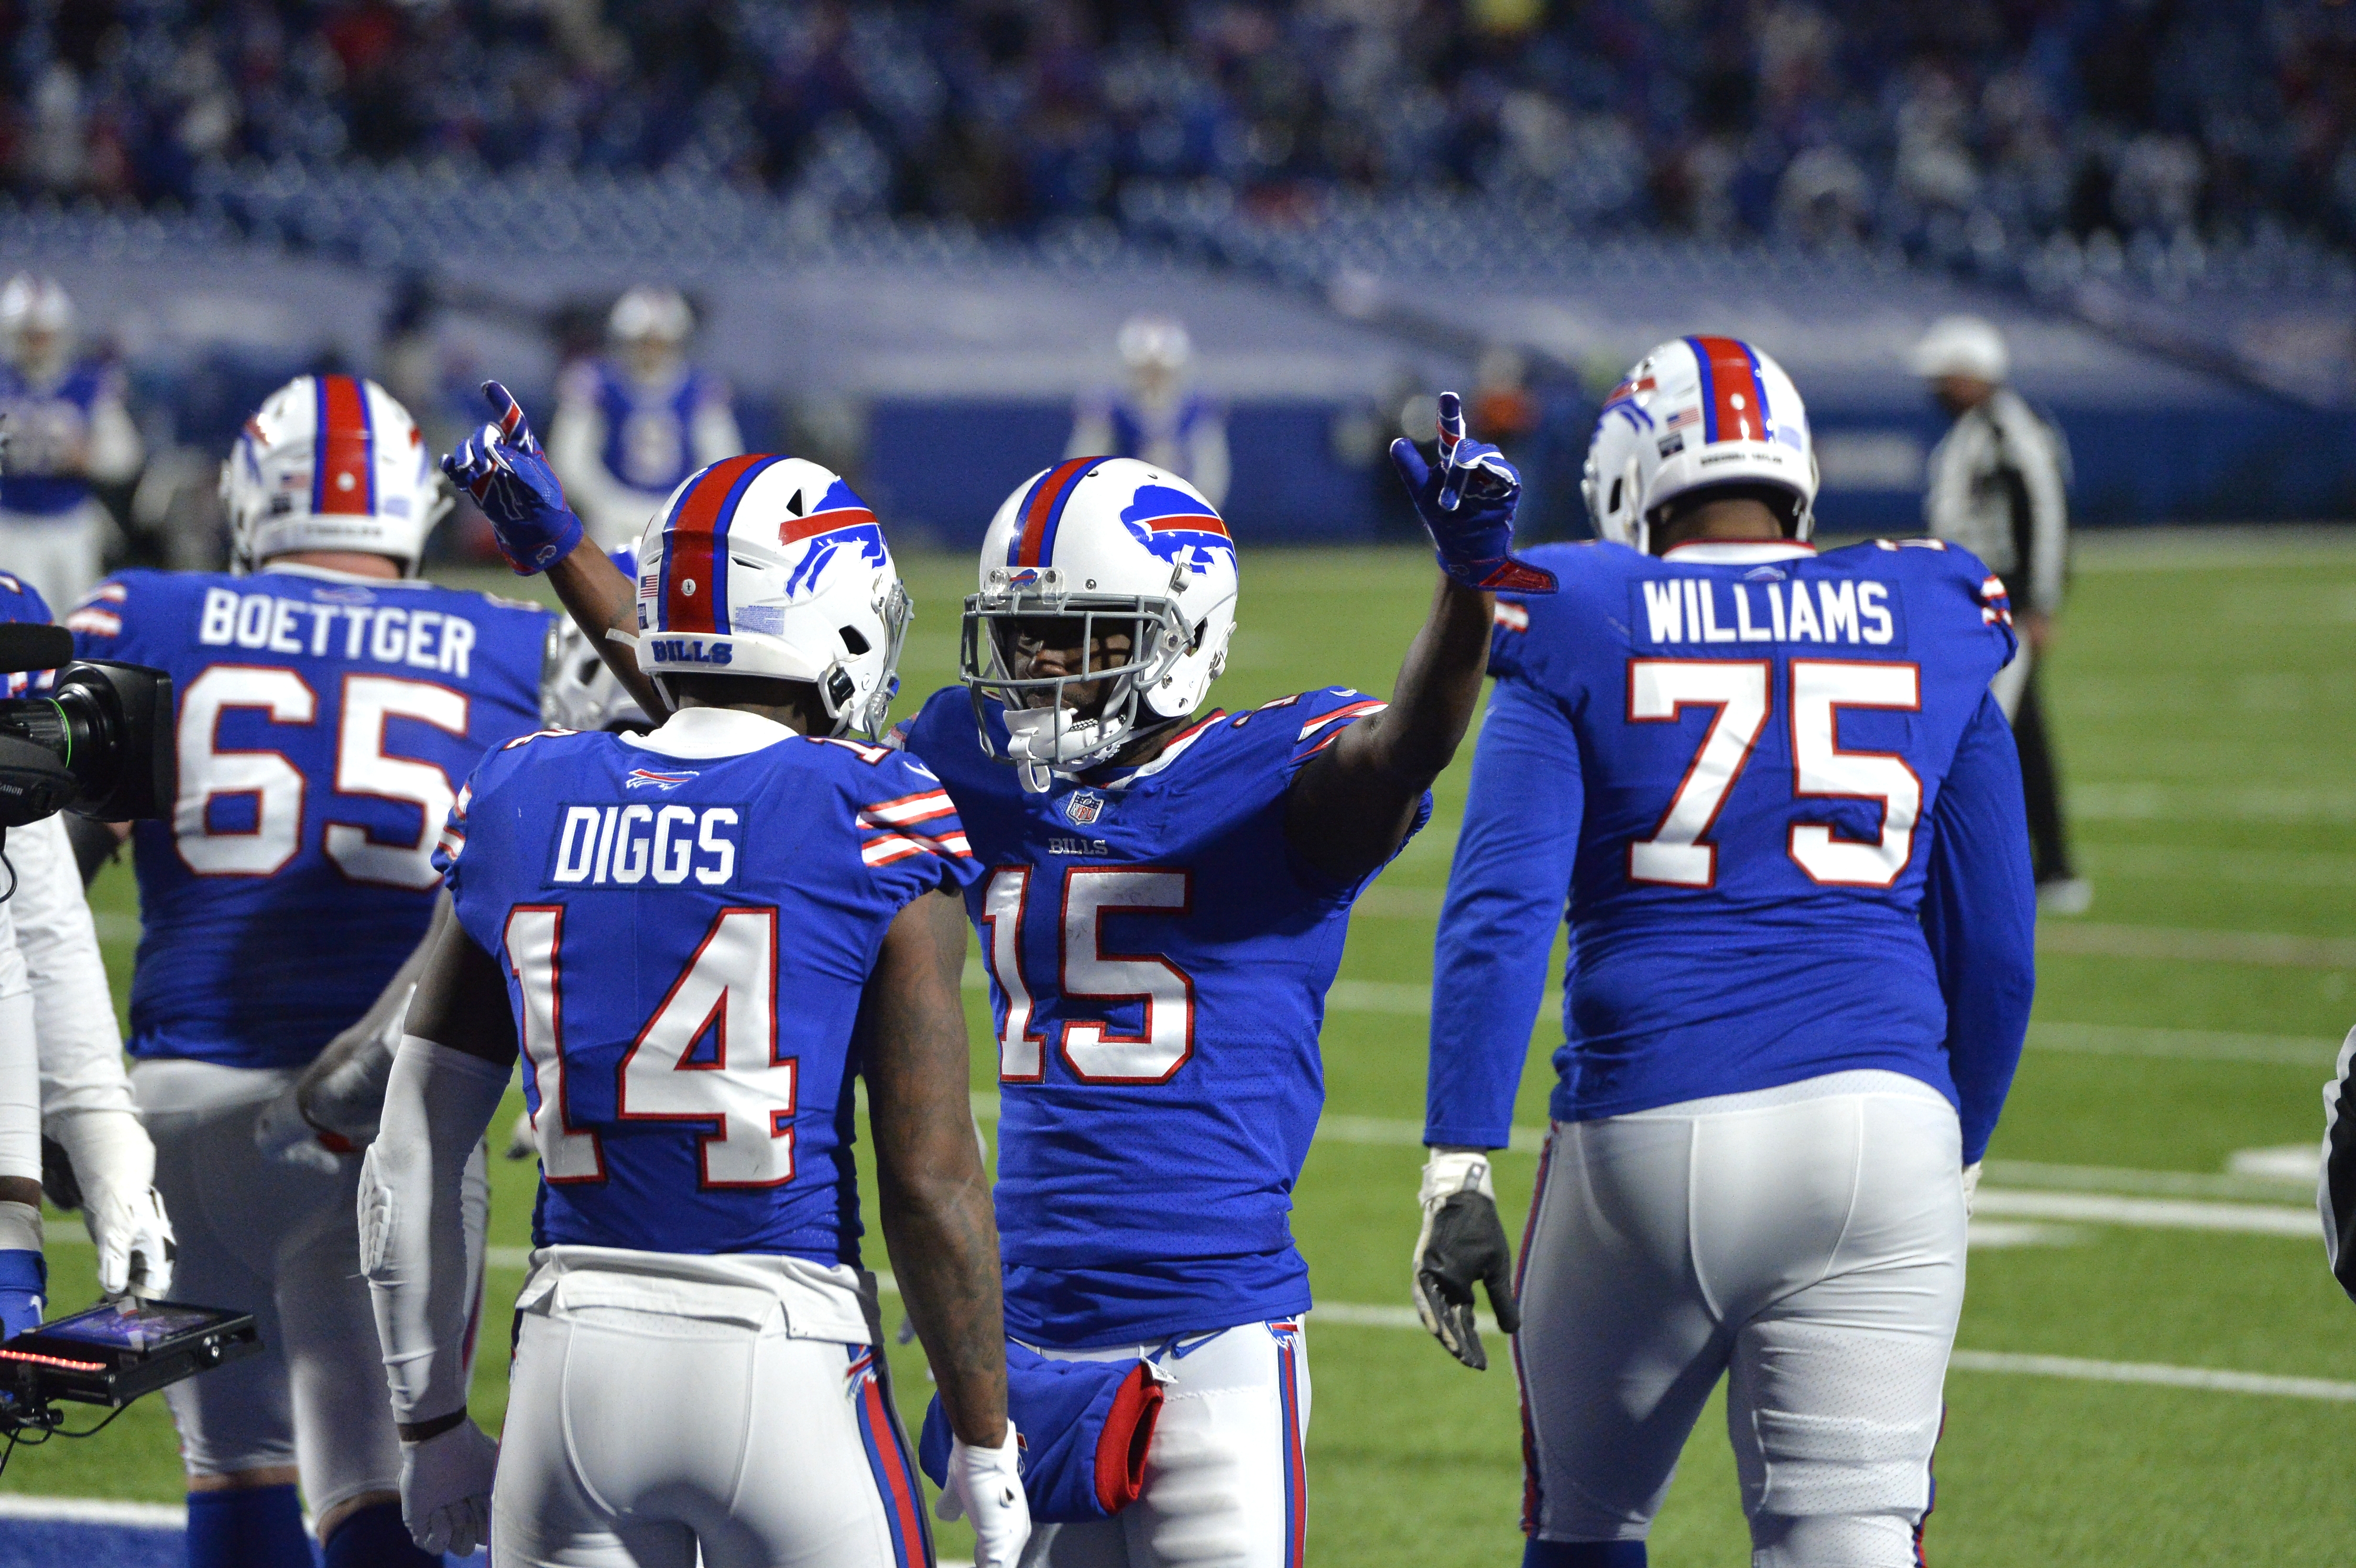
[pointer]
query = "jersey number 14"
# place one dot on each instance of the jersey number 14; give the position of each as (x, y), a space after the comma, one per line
(728, 989)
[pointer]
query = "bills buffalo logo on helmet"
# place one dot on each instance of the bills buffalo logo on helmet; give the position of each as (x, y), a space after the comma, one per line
(1176, 527)
(841, 520)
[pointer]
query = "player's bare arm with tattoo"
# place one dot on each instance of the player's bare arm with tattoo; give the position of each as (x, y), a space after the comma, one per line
(938, 1219)
(1352, 805)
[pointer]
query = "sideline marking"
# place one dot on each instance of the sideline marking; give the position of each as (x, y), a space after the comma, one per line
(95, 1511)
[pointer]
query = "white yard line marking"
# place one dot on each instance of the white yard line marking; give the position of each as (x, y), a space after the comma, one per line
(2192, 548)
(2038, 1174)
(2266, 949)
(2154, 1213)
(2183, 1044)
(2253, 868)
(2141, 800)
(2298, 1165)
(2210, 1378)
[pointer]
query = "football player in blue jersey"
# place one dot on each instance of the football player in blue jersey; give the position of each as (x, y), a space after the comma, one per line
(1785, 814)
(698, 937)
(329, 703)
(632, 424)
(66, 428)
(1156, 418)
(1164, 908)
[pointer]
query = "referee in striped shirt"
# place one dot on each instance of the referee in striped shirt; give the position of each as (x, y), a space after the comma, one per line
(1997, 482)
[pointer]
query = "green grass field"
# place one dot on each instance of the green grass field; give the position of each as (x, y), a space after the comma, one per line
(2203, 696)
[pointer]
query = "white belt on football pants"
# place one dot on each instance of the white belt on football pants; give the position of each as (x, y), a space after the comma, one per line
(1809, 1241)
(281, 1242)
(635, 1437)
(1225, 1485)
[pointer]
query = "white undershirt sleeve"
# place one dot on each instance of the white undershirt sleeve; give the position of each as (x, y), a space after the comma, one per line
(412, 1220)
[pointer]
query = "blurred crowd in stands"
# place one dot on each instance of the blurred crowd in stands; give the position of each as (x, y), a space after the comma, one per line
(1946, 124)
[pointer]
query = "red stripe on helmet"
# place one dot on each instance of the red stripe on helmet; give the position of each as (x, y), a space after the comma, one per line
(691, 542)
(1041, 510)
(341, 485)
(795, 529)
(1738, 403)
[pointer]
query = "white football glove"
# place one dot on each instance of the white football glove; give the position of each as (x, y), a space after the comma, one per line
(986, 1486)
(1463, 1240)
(114, 1165)
(1971, 1186)
(445, 1489)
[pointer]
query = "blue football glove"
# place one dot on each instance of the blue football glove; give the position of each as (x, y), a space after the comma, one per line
(24, 1281)
(1466, 501)
(503, 468)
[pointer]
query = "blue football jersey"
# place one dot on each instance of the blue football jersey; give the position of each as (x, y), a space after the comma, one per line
(1158, 959)
(326, 723)
(649, 430)
(46, 424)
(1731, 765)
(686, 941)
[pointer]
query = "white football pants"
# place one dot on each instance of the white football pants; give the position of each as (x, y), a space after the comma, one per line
(1808, 1240)
(635, 1437)
(1225, 1482)
(281, 1242)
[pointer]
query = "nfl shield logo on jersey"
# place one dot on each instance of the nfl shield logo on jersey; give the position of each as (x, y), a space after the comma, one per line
(1084, 806)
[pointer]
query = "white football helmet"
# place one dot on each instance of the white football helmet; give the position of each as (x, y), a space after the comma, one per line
(577, 691)
(331, 462)
(1126, 549)
(650, 311)
(34, 305)
(764, 565)
(1699, 413)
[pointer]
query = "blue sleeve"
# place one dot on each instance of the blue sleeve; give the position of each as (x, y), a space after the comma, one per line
(1506, 894)
(1979, 913)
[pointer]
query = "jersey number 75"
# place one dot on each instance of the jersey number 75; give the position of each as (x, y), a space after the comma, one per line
(1679, 853)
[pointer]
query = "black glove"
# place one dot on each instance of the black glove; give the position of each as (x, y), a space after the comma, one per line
(1463, 1240)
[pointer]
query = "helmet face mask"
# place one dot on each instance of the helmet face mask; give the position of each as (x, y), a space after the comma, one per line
(1699, 415)
(770, 566)
(1075, 716)
(1115, 549)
